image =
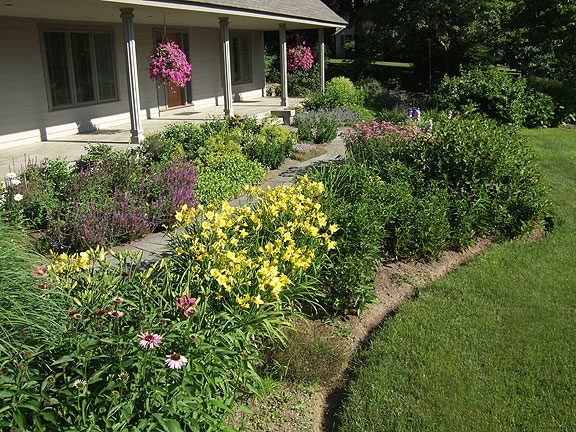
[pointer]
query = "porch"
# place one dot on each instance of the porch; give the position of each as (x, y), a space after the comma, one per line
(72, 147)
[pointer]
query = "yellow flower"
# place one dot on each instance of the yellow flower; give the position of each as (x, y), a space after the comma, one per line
(244, 301)
(269, 248)
(223, 280)
(257, 301)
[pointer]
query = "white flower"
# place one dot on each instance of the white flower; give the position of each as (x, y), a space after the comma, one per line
(11, 175)
(18, 197)
(80, 384)
(15, 182)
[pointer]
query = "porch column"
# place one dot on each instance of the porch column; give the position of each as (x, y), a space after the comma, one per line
(226, 69)
(283, 65)
(137, 133)
(322, 61)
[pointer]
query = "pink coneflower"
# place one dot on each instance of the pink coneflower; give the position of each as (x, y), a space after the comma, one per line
(187, 304)
(176, 361)
(149, 340)
(117, 299)
(115, 314)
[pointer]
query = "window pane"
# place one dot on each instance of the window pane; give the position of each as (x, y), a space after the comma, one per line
(83, 76)
(57, 66)
(246, 59)
(236, 54)
(105, 67)
(241, 59)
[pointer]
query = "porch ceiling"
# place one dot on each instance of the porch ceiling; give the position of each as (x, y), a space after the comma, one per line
(154, 12)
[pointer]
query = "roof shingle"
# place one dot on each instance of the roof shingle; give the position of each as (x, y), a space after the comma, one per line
(305, 9)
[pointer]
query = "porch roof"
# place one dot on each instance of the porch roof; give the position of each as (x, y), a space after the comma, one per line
(243, 14)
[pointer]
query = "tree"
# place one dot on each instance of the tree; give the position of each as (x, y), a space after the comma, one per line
(545, 39)
(457, 32)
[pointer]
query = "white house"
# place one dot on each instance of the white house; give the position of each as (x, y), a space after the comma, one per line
(69, 66)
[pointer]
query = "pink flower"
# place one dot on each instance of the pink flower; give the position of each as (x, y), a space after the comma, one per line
(187, 304)
(300, 58)
(115, 314)
(41, 270)
(168, 63)
(175, 361)
(149, 340)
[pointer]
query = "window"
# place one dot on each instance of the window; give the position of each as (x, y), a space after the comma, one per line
(80, 67)
(241, 59)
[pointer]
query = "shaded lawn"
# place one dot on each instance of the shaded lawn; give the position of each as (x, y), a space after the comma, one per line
(493, 345)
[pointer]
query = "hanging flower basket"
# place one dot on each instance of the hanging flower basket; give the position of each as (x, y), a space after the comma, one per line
(168, 64)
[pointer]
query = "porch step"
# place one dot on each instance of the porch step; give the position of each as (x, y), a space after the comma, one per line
(286, 115)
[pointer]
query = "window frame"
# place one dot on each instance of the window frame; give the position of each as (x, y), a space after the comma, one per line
(244, 39)
(70, 65)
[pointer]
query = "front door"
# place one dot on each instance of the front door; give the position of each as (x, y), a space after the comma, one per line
(174, 93)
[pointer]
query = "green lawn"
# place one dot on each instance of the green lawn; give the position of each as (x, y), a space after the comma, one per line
(491, 347)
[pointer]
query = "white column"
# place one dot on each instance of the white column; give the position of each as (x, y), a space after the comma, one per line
(283, 65)
(226, 69)
(137, 133)
(322, 61)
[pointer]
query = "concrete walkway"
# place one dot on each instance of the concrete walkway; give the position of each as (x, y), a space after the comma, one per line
(72, 147)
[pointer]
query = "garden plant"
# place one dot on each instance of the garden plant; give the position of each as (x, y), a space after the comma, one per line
(182, 343)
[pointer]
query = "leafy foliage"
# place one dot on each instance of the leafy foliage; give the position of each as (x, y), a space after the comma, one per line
(495, 93)
(488, 170)
(316, 126)
(227, 178)
(340, 92)
(174, 346)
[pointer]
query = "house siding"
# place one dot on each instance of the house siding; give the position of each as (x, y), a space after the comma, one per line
(24, 111)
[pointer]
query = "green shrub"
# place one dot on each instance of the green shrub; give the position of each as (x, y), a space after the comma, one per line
(95, 153)
(387, 211)
(539, 109)
(302, 83)
(270, 147)
(487, 169)
(340, 92)
(226, 178)
(179, 140)
(563, 94)
(355, 199)
(495, 93)
(217, 147)
(317, 126)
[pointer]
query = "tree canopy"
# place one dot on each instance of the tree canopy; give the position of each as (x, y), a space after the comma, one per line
(537, 37)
